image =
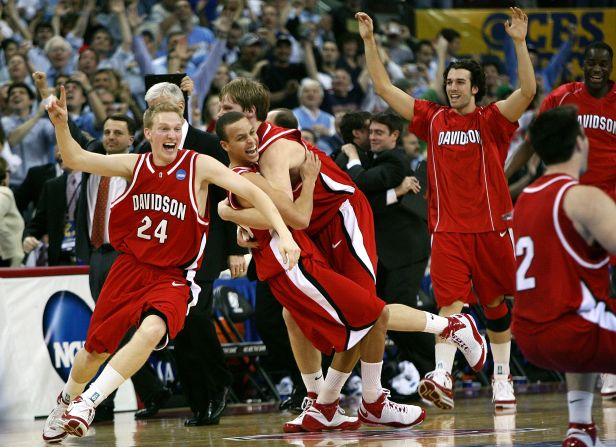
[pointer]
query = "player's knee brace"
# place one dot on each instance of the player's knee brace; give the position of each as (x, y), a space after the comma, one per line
(498, 317)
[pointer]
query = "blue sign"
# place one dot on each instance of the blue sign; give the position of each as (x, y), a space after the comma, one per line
(65, 325)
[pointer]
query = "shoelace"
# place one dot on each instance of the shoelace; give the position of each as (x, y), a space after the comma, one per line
(393, 405)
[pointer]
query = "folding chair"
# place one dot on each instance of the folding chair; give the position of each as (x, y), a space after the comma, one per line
(231, 308)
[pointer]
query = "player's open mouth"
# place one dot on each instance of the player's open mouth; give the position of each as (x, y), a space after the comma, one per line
(454, 97)
(596, 79)
(251, 151)
(169, 146)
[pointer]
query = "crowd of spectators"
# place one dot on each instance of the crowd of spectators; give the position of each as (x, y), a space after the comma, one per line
(307, 53)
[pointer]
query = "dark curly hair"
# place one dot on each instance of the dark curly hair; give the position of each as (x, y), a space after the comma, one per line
(478, 78)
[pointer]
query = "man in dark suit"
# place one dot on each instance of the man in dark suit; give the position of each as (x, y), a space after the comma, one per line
(55, 218)
(402, 238)
(200, 360)
(30, 190)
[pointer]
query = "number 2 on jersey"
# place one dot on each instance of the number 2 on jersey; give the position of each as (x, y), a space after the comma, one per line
(160, 232)
(525, 247)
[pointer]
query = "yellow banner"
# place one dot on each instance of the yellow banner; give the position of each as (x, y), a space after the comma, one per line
(483, 31)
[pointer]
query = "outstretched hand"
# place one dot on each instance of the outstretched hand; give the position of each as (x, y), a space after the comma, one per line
(517, 26)
(366, 27)
(56, 108)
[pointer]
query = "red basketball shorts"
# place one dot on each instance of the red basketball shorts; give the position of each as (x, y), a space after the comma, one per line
(570, 344)
(348, 242)
(332, 311)
(466, 262)
(131, 289)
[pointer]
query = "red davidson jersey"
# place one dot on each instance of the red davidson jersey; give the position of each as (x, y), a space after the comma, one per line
(598, 118)
(332, 187)
(467, 189)
(156, 219)
(558, 272)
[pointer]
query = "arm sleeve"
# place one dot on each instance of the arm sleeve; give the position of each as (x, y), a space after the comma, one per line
(422, 115)
(379, 178)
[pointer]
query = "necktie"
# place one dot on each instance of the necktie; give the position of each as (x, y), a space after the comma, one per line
(98, 221)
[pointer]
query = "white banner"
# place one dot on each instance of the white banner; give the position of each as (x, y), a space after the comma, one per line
(43, 323)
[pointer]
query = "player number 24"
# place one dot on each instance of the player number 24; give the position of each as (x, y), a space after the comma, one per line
(525, 247)
(160, 232)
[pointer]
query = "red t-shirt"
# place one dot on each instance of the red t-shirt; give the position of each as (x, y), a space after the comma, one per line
(467, 189)
(156, 219)
(333, 186)
(558, 272)
(598, 118)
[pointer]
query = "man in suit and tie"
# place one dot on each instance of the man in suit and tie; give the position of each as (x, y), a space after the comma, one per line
(30, 190)
(54, 218)
(200, 360)
(402, 238)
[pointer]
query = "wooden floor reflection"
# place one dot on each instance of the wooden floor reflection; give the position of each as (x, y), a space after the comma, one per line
(540, 421)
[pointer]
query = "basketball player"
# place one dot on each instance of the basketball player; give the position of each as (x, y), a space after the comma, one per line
(469, 202)
(563, 318)
(332, 312)
(160, 226)
(595, 99)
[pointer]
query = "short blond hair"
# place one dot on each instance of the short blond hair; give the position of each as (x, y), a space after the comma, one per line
(248, 93)
(151, 112)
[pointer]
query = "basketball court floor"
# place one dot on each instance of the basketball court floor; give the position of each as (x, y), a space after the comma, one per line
(541, 420)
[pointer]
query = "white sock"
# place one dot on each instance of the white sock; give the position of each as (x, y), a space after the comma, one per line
(371, 381)
(580, 406)
(334, 381)
(105, 384)
(313, 381)
(435, 324)
(72, 389)
(501, 353)
(444, 353)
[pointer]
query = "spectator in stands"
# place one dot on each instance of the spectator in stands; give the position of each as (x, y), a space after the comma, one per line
(398, 50)
(282, 77)
(350, 59)
(11, 222)
(19, 69)
(329, 58)
(61, 58)
(454, 40)
(30, 135)
(80, 95)
(88, 62)
(309, 114)
(412, 149)
(548, 75)
(344, 96)
(43, 32)
(250, 53)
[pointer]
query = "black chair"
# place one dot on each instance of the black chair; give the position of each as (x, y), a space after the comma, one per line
(231, 307)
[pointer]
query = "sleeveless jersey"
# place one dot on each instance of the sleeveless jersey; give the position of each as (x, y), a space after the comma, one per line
(598, 118)
(156, 219)
(558, 273)
(333, 186)
(467, 189)
(267, 258)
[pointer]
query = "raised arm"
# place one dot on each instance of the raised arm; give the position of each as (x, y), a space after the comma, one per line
(212, 171)
(398, 100)
(73, 156)
(516, 104)
(593, 214)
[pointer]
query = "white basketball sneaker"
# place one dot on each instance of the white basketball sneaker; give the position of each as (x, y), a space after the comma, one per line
(78, 417)
(462, 332)
(54, 425)
(295, 425)
(502, 393)
(582, 435)
(608, 389)
(323, 417)
(385, 412)
(437, 388)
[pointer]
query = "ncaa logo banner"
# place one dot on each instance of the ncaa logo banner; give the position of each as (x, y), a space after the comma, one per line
(43, 323)
(483, 31)
(65, 325)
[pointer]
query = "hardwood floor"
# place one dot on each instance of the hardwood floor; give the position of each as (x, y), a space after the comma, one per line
(541, 420)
